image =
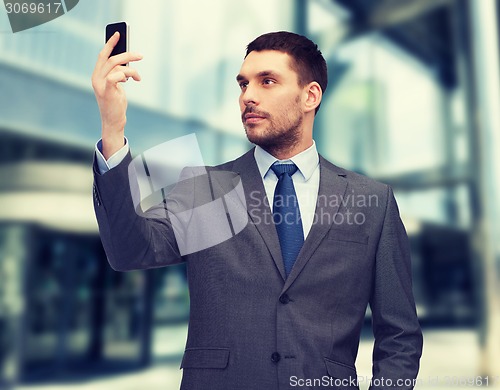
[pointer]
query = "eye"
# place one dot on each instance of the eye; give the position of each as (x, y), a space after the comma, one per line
(243, 84)
(268, 82)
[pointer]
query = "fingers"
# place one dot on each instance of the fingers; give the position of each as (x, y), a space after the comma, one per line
(105, 63)
(111, 43)
(118, 75)
(107, 49)
(103, 71)
(119, 59)
(121, 74)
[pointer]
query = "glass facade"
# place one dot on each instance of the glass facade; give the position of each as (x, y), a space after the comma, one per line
(406, 104)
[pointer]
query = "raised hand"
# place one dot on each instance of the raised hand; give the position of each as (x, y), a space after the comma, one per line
(106, 80)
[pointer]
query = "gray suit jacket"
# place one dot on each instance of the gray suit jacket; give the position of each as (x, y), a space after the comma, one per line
(251, 327)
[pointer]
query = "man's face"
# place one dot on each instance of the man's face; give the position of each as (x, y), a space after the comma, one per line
(270, 100)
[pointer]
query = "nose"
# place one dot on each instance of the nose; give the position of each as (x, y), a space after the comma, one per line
(249, 96)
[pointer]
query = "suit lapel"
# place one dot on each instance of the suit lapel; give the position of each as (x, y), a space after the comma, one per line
(258, 206)
(332, 186)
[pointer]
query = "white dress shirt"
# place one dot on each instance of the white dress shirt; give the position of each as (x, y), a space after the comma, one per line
(105, 165)
(305, 180)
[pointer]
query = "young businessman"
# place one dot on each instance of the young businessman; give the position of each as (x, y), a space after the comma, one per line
(281, 304)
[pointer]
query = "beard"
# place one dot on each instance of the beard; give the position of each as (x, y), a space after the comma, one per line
(283, 132)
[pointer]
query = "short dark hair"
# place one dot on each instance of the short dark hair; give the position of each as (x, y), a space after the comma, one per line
(308, 62)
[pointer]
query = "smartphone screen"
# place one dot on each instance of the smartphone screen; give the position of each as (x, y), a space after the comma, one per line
(122, 28)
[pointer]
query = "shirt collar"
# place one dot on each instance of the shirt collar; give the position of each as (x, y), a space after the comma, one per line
(306, 161)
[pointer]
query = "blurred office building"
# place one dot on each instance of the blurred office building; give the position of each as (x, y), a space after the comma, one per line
(413, 99)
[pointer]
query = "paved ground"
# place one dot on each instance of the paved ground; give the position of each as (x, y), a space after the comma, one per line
(450, 361)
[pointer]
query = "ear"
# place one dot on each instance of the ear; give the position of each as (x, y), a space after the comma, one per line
(313, 95)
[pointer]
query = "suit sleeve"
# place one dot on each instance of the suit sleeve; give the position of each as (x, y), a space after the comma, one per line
(398, 338)
(132, 241)
(104, 165)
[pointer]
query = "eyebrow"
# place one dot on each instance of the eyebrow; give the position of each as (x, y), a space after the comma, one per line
(264, 73)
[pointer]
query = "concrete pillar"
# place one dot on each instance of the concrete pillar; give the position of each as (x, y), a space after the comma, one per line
(486, 122)
(14, 253)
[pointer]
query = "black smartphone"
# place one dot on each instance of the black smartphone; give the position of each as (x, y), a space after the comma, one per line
(123, 29)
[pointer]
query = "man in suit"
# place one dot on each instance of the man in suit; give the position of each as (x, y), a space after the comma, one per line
(280, 304)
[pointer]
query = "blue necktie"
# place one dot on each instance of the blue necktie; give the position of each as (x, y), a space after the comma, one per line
(286, 214)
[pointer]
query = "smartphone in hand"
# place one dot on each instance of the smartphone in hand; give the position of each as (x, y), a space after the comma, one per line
(123, 29)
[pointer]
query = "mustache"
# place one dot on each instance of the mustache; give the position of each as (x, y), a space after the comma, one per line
(253, 110)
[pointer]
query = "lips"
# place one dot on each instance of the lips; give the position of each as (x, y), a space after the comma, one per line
(251, 117)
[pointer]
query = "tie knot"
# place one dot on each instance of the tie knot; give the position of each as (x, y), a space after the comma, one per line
(279, 168)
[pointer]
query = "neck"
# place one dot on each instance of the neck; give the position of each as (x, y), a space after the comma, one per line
(285, 153)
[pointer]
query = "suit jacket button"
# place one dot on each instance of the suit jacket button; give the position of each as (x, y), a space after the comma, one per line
(275, 357)
(284, 299)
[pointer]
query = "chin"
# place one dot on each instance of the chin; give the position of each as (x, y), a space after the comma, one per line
(266, 143)
(251, 132)
(255, 135)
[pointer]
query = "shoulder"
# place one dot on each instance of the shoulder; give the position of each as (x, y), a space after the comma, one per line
(356, 181)
(363, 194)
(237, 164)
